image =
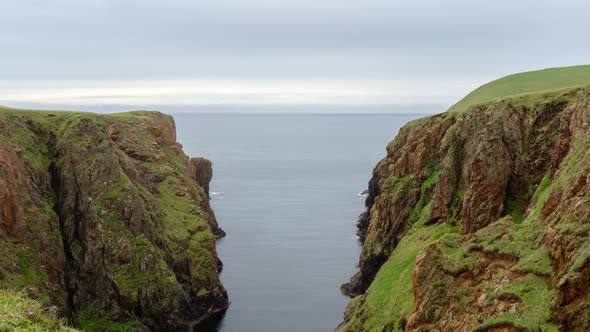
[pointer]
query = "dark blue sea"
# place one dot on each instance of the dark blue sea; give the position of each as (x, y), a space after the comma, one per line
(286, 190)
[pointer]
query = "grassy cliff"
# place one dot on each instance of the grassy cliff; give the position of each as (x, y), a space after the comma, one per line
(526, 83)
(103, 217)
(477, 218)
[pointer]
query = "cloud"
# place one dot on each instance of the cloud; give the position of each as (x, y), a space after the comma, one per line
(259, 40)
(285, 93)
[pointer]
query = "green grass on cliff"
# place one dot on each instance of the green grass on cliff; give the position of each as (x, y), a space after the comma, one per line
(174, 250)
(536, 299)
(523, 83)
(390, 298)
(92, 319)
(19, 313)
(185, 224)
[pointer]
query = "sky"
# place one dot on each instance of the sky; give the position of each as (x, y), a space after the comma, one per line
(272, 56)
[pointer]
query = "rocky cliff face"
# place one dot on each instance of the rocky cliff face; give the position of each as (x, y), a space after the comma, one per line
(478, 220)
(107, 218)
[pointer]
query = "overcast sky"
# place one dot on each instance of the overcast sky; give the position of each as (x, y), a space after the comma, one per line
(372, 55)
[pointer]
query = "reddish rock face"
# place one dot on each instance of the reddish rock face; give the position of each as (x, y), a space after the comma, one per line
(479, 161)
(393, 190)
(486, 170)
(566, 215)
(203, 172)
(29, 229)
(11, 213)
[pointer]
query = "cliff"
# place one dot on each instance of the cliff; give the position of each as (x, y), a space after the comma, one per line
(477, 219)
(105, 218)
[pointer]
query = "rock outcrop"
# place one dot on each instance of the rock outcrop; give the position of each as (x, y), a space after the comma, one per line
(105, 217)
(203, 172)
(478, 220)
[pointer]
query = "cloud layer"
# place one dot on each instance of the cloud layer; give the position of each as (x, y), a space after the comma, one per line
(349, 45)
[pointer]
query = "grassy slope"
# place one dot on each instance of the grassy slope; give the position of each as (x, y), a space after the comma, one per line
(522, 83)
(18, 313)
(390, 298)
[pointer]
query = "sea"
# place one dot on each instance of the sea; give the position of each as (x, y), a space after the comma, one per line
(287, 189)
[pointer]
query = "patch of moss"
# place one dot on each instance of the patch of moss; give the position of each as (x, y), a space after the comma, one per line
(457, 207)
(536, 262)
(183, 218)
(457, 257)
(580, 260)
(399, 184)
(580, 311)
(185, 223)
(141, 273)
(513, 207)
(507, 238)
(33, 151)
(159, 168)
(27, 270)
(535, 313)
(92, 319)
(426, 192)
(462, 295)
(540, 197)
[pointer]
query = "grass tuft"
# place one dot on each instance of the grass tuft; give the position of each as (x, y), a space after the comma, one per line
(20, 313)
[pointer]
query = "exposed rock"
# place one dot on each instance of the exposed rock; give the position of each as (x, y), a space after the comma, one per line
(203, 172)
(131, 238)
(510, 180)
(393, 190)
(30, 241)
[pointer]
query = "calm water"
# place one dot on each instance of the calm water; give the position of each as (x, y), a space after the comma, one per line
(285, 189)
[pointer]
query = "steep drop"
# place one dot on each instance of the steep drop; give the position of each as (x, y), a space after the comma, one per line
(477, 220)
(118, 232)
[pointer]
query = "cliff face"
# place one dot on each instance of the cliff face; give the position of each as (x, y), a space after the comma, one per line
(478, 220)
(107, 218)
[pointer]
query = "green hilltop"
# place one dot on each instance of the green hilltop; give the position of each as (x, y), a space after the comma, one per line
(524, 83)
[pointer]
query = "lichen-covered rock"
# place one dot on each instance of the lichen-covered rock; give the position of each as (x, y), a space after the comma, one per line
(134, 232)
